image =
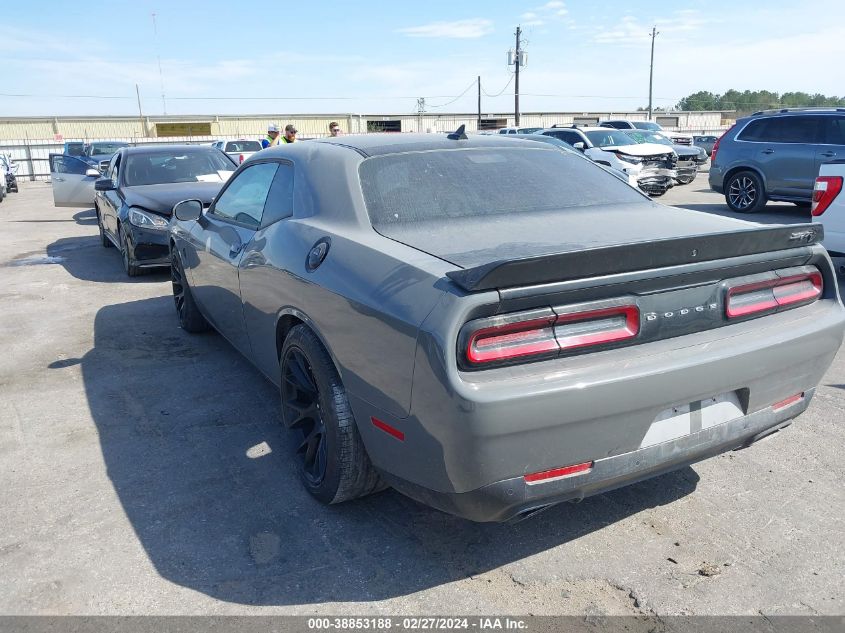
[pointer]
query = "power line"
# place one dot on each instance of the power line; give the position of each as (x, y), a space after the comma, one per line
(456, 98)
(502, 91)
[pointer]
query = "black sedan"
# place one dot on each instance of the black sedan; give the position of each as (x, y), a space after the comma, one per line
(135, 198)
(493, 326)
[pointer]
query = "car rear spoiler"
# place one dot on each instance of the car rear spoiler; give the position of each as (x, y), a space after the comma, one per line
(609, 260)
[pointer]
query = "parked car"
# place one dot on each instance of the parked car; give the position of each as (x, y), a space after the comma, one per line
(519, 130)
(72, 180)
(238, 150)
(10, 168)
(98, 151)
(135, 198)
(653, 166)
(775, 155)
(3, 190)
(630, 179)
(491, 349)
(705, 142)
(829, 205)
(689, 158)
(74, 148)
(679, 138)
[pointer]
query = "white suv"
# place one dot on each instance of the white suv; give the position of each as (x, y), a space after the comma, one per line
(679, 138)
(649, 166)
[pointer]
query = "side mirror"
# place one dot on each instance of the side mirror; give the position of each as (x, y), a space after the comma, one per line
(92, 173)
(579, 146)
(103, 166)
(103, 184)
(188, 210)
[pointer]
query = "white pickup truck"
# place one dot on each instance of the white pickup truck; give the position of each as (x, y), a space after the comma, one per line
(829, 205)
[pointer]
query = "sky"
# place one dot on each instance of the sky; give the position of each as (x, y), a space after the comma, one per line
(376, 57)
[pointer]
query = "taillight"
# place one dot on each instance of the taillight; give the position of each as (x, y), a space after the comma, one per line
(557, 473)
(545, 333)
(716, 145)
(772, 294)
(824, 192)
(241, 159)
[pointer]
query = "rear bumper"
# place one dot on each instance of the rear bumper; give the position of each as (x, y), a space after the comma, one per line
(715, 179)
(513, 498)
(478, 434)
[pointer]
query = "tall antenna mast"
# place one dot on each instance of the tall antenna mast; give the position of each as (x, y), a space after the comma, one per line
(160, 74)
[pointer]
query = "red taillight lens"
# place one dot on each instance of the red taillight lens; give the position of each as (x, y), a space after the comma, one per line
(766, 296)
(597, 327)
(241, 159)
(825, 192)
(544, 333)
(512, 340)
(558, 473)
(716, 145)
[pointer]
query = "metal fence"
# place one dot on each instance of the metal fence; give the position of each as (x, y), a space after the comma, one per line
(33, 156)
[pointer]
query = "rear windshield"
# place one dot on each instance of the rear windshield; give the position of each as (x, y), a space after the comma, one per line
(647, 125)
(158, 168)
(443, 184)
(243, 146)
(106, 149)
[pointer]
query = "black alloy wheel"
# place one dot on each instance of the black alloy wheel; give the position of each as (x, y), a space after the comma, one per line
(333, 463)
(190, 317)
(744, 192)
(301, 403)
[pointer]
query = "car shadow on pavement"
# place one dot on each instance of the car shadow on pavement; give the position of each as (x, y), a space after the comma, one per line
(85, 258)
(86, 218)
(192, 442)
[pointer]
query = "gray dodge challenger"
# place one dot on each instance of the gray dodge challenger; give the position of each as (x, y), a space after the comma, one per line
(494, 326)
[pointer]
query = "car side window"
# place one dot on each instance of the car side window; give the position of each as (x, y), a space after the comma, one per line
(834, 130)
(69, 165)
(279, 203)
(244, 199)
(789, 129)
(797, 129)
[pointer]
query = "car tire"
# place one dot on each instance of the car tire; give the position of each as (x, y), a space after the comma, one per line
(190, 318)
(104, 239)
(131, 268)
(332, 461)
(744, 192)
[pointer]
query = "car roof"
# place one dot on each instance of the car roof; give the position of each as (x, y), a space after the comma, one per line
(828, 111)
(379, 144)
(580, 128)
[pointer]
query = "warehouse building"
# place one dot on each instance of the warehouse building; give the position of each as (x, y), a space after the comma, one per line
(30, 140)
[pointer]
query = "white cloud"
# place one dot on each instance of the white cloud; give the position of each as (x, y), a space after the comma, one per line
(631, 30)
(538, 16)
(460, 29)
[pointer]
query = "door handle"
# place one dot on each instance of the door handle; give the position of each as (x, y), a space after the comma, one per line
(234, 249)
(57, 179)
(768, 151)
(828, 154)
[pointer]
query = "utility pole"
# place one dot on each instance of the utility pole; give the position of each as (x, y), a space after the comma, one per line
(140, 114)
(518, 62)
(478, 125)
(420, 112)
(654, 33)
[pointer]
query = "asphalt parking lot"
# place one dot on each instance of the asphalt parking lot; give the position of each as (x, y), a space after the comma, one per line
(144, 471)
